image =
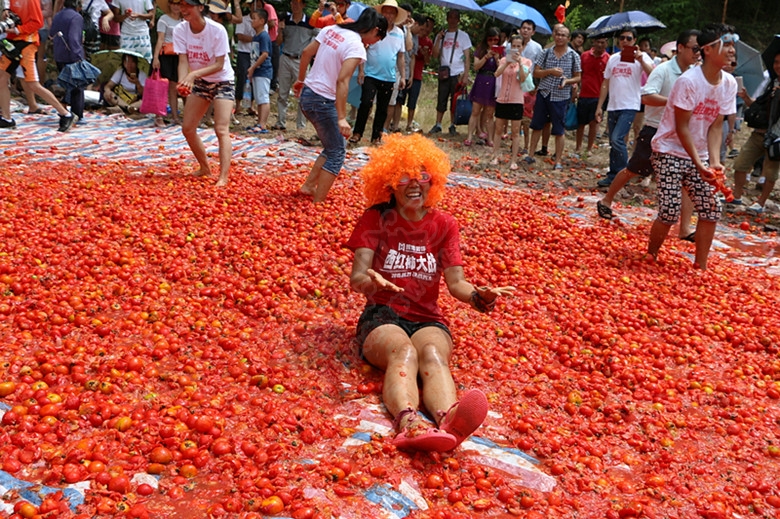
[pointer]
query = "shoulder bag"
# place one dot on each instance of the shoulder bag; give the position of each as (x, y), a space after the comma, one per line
(444, 71)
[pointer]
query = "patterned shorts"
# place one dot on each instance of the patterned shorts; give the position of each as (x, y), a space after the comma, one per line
(676, 174)
(210, 91)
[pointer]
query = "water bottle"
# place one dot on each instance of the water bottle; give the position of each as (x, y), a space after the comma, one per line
(246, 101)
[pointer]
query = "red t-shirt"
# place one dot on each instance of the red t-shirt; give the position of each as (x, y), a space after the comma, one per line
(419, 63)
(411, 255)
(592, 73)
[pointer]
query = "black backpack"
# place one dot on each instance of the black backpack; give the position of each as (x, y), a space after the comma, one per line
(757, 114)
(91, 32)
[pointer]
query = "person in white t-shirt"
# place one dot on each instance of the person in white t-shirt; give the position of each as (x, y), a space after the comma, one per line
(623, 82)
(452, 47)
(134, 15)
(205, 72)
(323, 95)
(690, 133)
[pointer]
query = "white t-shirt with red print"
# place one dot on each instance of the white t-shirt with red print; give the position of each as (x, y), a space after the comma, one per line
(706, 101)
(203, 49)
(625, 82)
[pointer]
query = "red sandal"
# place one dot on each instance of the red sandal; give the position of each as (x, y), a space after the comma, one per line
(415, 438)
(466, 415)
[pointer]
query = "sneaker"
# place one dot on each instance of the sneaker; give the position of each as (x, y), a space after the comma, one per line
(542, 152)
(453, 130)
(436, 129)
(736, 201)
(733, 153)
(604, 182)
(5, 123)
(66, 121)
(558, 166)
(756, 208)
(529, 160)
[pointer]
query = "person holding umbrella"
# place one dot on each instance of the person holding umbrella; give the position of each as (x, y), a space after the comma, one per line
(24, 38)
(754, 149)
(452, 47)
(206, 78)
(66, 30)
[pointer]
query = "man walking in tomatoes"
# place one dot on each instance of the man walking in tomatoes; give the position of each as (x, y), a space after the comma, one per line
(690, 133)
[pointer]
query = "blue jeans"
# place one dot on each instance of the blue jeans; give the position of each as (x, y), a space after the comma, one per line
(618, 125)
(321, 113)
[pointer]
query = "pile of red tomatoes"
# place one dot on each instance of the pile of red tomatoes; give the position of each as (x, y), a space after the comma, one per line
(189, 352)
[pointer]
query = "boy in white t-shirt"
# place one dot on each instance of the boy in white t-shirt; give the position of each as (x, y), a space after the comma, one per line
(690, 133)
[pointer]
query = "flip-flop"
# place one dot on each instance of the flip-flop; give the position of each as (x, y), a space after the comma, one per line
(431, 440)
(604, 211)
(466, 415)
(691, 237)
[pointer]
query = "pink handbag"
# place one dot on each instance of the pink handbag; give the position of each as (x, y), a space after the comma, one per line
(155, 98)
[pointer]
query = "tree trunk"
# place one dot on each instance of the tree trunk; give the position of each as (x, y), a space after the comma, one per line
(725, 8)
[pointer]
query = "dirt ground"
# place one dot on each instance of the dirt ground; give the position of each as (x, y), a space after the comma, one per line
(579, 175)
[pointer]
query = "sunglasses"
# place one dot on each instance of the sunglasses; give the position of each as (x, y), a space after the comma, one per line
(423, 178)
(695, 49)
(626, 38)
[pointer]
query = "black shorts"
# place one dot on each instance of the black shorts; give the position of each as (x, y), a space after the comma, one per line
(109, 41)
(640, 162)
(375, 316)
(509, 111)
(169, 67)
(586, 110)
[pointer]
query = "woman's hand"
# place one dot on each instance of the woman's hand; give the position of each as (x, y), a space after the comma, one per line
(156, 63)
(381, 283)
(489, 295)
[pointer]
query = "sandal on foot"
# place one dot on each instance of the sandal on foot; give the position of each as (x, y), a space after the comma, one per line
(514, 166)
(467, 142)
(494, 162)
(691, 237)
(604, 211)
(431, 440)
(355, 138)
(465, 416)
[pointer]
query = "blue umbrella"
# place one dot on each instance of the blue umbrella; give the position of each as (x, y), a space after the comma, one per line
(515, 13)
(354, 10)
(459, 5)
(613, 23)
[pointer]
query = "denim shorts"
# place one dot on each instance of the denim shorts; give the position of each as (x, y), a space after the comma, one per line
(261, 88)
(375, 316)
(321, 112)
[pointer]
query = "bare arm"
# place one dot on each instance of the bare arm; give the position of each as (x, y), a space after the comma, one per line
(364, 279)
(464, 291)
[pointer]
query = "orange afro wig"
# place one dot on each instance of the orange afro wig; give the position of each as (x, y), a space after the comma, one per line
(404, 155)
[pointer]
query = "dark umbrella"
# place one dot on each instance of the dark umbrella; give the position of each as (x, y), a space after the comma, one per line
(639, 20)
(769, 55)
(749, 67)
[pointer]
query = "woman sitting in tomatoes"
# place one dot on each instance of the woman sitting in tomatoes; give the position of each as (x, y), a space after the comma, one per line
(403, 245)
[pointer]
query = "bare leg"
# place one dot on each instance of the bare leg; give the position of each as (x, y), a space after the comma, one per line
(515, 143)
(389, 349)
(686, 213)
(476, 112)
(580, 135)
(409, 119)
(32, 103)
(658, 233)
(434, 348)
(534, 141)
(324, 184)
(223, 110)
(173, 101)
(500, 126)
(559, 144)
(489, 126)
(705, 232)
(593, 129)
(309, 187)
(769, 185)
(37, 89)
(621, 179)
(740, 177)
(194, 108)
